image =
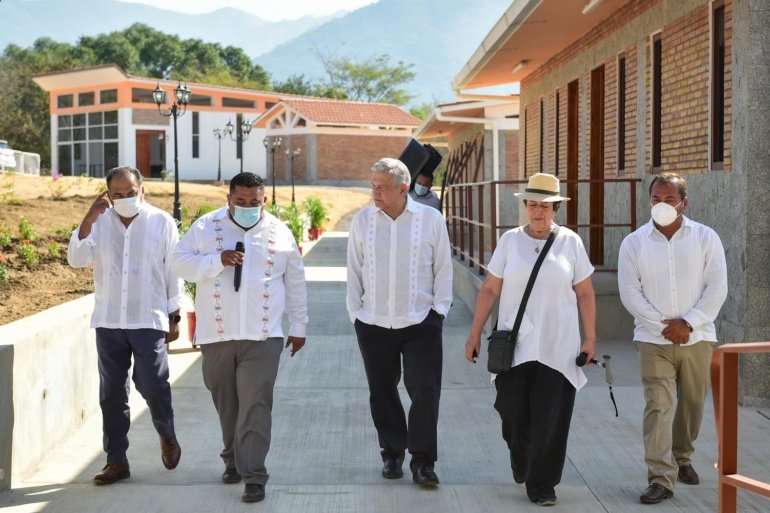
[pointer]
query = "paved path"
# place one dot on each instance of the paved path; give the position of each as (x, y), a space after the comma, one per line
(324, 455)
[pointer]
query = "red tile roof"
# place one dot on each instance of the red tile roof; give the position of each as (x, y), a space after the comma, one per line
(348, 112)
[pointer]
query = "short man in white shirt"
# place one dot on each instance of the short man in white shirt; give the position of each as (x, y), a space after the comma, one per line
(137, 294)
(241, 296)
(672, 278)
(399, 291)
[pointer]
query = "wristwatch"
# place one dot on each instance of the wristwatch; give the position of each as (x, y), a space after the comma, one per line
(689, 326)
(174, 318)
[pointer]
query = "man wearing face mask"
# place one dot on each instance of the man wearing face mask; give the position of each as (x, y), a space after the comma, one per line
(672, 278)
(422, 193)
(136, 313)
(239, 327)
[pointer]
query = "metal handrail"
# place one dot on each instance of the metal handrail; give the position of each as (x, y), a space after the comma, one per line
(462, 224)
(724, 385)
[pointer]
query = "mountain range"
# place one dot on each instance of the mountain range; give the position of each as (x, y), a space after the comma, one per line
(436, 36)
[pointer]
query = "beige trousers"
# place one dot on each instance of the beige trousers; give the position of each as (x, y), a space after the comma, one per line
(676, 380)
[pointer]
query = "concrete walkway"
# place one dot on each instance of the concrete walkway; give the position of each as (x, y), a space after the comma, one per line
(324, 455)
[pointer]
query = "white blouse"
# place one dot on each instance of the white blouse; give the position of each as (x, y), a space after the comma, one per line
(398, 269)
(272, 279)
(133, 282)
(550, 328)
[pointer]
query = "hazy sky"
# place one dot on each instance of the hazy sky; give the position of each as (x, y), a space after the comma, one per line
(266, 9)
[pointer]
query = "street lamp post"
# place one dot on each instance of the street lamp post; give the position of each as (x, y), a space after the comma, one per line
(219, 135)
(240, 137)
(291, 155)
(181, 98)
(272, 147)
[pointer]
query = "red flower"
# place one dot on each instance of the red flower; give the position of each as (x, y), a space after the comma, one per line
(2, 259)
(25, 241)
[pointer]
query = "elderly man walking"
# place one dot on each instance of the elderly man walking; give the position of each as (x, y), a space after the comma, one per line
(399, 291)
(137, 294)
(672, 278)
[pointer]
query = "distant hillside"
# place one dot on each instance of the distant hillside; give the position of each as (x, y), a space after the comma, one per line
(23, 21)
(438, 36)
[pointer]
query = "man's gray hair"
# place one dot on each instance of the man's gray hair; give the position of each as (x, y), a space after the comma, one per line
(394, 168)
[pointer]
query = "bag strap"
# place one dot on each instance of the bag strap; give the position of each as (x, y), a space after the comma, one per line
(531, 283)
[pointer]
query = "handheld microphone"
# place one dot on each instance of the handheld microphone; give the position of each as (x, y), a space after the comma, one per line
(238, 268)
(582, 359)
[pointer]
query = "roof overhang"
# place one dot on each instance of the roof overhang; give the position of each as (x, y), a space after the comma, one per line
(437, 126)
(528, 35)
(107, 74)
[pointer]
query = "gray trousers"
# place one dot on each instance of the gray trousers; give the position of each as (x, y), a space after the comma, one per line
(240, 374)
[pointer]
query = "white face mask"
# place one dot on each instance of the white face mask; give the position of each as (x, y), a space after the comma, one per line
(127, 207)
(664, 214)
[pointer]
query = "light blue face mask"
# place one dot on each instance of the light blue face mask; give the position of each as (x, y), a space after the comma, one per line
(421, 190)
(247, 217)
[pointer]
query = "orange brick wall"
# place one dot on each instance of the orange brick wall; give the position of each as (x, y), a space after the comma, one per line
(350, 157)
(685, 97)
(511, 164)
(282, 165)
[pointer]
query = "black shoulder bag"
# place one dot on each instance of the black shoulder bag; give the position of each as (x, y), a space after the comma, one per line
(503, 342)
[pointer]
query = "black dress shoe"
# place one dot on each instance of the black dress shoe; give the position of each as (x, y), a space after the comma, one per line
(687, 475)
(655, 493)
(231, 476)
(253, 493)
(391, 468)
(425, 476)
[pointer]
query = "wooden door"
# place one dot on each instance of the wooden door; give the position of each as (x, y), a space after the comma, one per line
(144, 139)
(573, 124)
(596, 215)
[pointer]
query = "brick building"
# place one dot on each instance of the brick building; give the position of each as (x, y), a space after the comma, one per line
(339, 140)
(622, 89)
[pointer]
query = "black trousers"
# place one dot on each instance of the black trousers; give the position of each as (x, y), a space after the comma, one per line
(535, 404)
(382, 350)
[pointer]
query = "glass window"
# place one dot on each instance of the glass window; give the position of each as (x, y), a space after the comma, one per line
(141, 95)
(110, 155)
(64, 101)
(200, 99)
(111, 117)
(94, 132)
(195, 135)
(79, 134)
(237, 102)
(269, 105)
(65, 121)
(108, 96)
(65, 134)
(79, 120)
(111, 132)
(65, 159)
(94, 118)
(85, 99)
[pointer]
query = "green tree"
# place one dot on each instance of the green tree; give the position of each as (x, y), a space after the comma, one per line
(372, 80)
(298, 84)
(422, 111)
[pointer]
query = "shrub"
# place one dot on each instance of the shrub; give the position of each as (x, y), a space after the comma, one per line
(58, 186)
(5, 237)
(54, 252)
(4, 274)
(316, 211)
(294, 221)
(26, 232)
(28, 253)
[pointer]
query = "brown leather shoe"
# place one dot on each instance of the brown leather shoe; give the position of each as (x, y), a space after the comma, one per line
(170, 452)
(112, 472)
(687, 475)
(655, 493)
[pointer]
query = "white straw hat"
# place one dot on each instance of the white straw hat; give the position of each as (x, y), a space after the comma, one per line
(542, 187)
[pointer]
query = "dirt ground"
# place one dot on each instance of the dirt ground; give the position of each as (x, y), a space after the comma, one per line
(54, 207)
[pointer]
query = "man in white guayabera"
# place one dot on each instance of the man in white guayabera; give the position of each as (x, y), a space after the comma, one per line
(672, 278)
(137, 301)
(399, 291)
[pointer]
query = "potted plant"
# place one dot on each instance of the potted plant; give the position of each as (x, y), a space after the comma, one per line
(293, 219)
(318, 214)
(189, 286)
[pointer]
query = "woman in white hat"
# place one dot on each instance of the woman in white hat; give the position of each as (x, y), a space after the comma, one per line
(535, 398)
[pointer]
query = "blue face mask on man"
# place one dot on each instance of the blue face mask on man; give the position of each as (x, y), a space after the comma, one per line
(247, 216)
(421, 190)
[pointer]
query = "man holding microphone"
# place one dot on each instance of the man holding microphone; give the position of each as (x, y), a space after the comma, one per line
(242, 294)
